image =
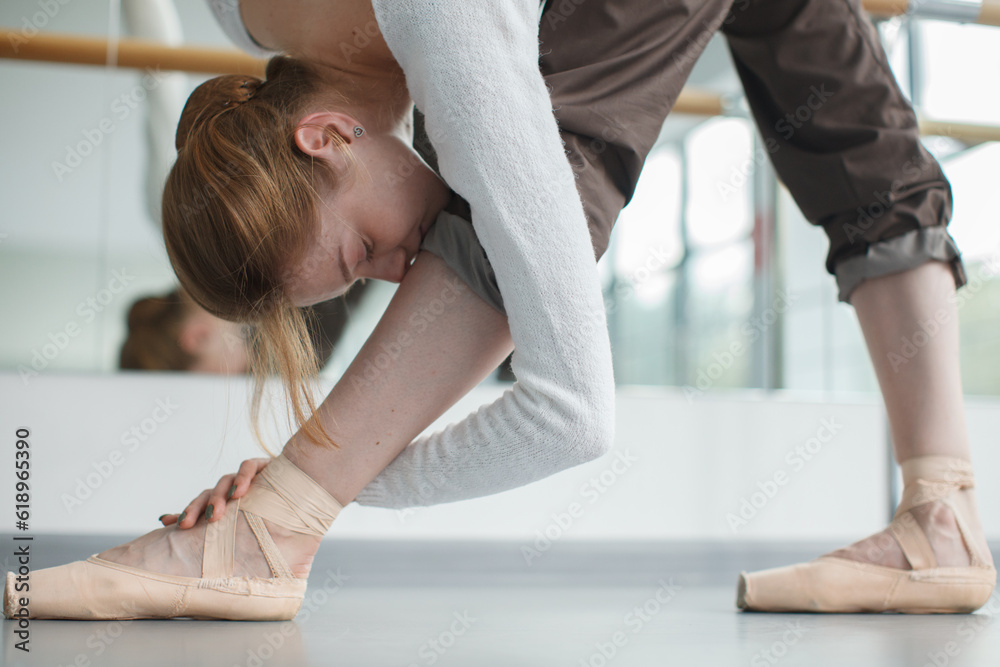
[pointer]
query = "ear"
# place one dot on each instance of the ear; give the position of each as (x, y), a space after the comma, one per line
(312, 135)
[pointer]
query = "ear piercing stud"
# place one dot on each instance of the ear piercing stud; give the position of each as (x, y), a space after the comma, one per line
(358, 131)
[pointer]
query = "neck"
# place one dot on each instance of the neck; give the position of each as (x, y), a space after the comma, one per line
(376, 97)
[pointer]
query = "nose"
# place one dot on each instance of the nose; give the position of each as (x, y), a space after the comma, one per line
(390, 266)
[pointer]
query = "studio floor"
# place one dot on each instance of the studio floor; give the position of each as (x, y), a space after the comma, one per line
(482, 604)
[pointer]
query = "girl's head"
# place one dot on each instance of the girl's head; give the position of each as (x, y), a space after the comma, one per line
(276, 201)
(173, 333)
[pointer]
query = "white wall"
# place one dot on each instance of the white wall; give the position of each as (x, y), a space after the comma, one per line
(694, 462)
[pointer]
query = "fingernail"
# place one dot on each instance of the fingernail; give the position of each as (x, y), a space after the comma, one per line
(181, 517)
(231, 492)
(208, 512)
(161, 518)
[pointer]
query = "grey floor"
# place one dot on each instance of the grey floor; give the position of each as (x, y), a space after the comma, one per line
(578, 604)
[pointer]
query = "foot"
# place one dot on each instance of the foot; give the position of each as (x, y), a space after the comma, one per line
(937, 520)
(171, 550)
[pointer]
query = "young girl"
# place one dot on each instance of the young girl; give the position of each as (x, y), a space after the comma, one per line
(285, 191)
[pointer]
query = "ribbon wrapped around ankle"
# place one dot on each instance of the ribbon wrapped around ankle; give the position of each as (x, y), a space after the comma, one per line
(930, 478)
(284, 494)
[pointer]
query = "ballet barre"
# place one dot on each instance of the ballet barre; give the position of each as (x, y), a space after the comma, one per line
(983, 12)
(143, 54)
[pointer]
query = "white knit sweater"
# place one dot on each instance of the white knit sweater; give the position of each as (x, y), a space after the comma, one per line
(471, 67)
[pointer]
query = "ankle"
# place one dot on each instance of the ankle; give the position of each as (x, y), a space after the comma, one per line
(297, 548)
(938, 523)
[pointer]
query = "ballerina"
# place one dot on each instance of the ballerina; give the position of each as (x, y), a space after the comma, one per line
(558, 412)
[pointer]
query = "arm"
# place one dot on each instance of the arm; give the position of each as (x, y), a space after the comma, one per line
(473, 70)
(490, 118)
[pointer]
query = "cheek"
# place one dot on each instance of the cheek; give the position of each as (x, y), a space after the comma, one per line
(390, 220)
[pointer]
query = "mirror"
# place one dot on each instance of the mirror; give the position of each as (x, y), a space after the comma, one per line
(87, 283)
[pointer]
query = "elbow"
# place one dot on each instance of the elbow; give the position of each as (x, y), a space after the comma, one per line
(591, 433)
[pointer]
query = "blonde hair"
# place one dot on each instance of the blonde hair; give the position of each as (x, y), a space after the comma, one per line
(239, 203)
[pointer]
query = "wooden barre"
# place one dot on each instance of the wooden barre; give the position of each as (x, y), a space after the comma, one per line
(989, 10)
(132, 53)
(968, 132)
(142, 54)
(74, 49)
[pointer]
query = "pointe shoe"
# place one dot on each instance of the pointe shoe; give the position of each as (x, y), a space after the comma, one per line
(834, 584)
(97, 589)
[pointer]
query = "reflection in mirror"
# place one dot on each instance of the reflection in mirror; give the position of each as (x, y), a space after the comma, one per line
(170, 332)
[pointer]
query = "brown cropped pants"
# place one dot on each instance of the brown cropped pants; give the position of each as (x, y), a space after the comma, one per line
(834, 123)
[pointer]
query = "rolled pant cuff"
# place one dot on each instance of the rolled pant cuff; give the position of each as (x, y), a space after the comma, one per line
(900, 253)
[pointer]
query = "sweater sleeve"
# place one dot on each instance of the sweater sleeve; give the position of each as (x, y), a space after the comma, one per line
(472, 68)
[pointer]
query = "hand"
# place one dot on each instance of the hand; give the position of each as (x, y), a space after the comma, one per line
(218, 496)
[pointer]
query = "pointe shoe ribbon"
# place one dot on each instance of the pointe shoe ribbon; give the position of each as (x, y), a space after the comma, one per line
(834, 584)
(96, 588)
(283, 494)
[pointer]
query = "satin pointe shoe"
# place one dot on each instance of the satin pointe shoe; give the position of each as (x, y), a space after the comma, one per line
(98, 589)
(834, 584)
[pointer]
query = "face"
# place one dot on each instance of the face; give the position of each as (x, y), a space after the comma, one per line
(217, 345)
(371, 226)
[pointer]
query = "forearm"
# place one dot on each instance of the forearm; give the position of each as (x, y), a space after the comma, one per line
(435, 342)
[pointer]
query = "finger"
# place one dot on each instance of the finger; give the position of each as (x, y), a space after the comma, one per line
(168, 519)
(190, 515)
(244, 476)
(216, 508)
